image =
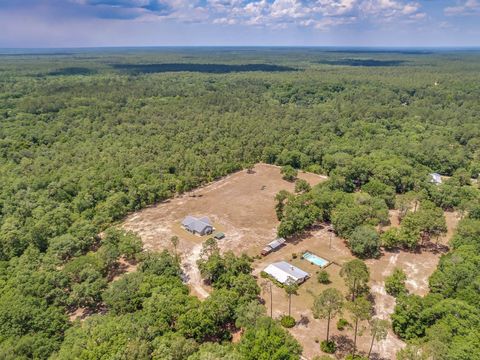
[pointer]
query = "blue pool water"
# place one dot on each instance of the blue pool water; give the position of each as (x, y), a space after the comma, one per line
(317, 260)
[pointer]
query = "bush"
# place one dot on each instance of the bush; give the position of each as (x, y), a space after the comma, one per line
(355, 357)
(390, 238)
(395, 283)
(302, 186)
(294, 255)
(289, 173)
(342, 324)
(323, 277)
(287, 321)
(328, 347)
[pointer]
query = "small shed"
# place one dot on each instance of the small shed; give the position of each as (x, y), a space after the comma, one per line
(219, 236)
(199, 226)
(286, 273)
(436, 178)
(273, 246)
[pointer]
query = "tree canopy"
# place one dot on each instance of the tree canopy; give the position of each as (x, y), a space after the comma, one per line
(87, 137)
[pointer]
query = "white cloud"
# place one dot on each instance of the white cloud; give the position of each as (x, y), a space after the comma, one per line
(468, 7)
(317, 14)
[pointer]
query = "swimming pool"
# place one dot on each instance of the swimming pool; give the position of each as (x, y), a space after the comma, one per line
(314, 259)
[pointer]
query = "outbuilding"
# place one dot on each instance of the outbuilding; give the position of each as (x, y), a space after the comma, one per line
(219, 236)
(436, 178)
(273, 246)
(286, 273)
(198, 226)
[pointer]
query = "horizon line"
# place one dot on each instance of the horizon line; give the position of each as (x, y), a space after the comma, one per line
(248, 46)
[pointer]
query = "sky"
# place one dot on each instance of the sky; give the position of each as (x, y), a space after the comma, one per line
(370, 23)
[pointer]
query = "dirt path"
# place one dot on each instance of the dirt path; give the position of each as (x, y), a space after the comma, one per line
(384, 306)
(191, 273)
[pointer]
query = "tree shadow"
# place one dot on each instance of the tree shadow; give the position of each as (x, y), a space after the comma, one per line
(298, 238)
(121, 267)
(304, 320)
(363, 62)
(344, 344)
(377, 356)
(427, 246)
(435, 248)
(72, 71)
(201, 68)
(381, 51)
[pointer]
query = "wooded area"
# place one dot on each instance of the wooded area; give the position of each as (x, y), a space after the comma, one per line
(89, 136)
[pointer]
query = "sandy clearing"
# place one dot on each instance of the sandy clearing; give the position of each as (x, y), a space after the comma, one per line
(241, 205)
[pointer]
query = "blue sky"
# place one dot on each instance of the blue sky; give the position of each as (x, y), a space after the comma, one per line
(86, 23)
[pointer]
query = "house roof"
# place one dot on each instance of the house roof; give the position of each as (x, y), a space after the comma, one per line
(194, 224)
(283, 271)
(205, 220)
(276, 243)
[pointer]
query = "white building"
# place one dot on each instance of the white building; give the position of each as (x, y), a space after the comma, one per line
(436, 178)
(286, 273)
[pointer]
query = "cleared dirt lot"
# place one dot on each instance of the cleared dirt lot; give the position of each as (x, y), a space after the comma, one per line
(242, 206)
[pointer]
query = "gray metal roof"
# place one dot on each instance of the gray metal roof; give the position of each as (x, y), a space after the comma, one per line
(194, 224)
(276, 243)
(205, 220)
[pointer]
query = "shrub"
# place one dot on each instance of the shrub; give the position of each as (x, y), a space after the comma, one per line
(390, 238)
(302, 186)
(264, 275)
(289, 173)
(355, 357)
(294, 256)
(342, 324)
(328, 347)
(395, 283)
(287, 321)
(323, 277)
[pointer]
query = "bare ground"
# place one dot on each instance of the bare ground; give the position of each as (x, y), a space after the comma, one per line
(242, 206)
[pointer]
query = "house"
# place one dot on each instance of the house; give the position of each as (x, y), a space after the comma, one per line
(436, 178)
(272, 246)
(286, 273)
(198, 226)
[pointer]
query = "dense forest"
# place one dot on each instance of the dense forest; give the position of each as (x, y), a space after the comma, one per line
(87, 136)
